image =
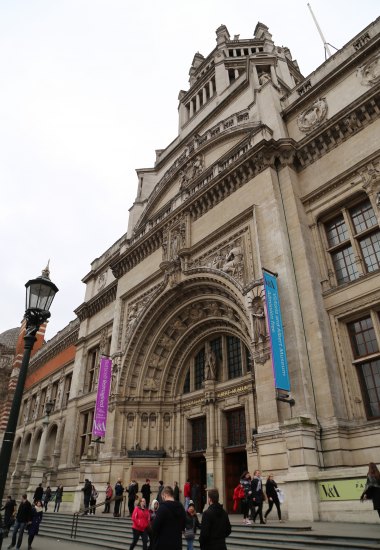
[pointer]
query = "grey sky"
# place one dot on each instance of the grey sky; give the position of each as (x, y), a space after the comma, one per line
(88, 91)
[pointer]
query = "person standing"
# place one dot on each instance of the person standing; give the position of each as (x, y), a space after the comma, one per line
(258, 496)
(23, 518)
(176, 491)
(191, 526)
(87, 490)
(140, 523)
(372, 487)
(132, 491)
(153, 512)
(272, 496)
(146, 492)
(215, 526)
(37, 513)
(47, 497)
(195, 495)
(58, 498)
(9, 511)
(93, 499)
(187, 493)
(160, 489)
(169, 522)
(119, 490)
(38, 493)
(109, 494)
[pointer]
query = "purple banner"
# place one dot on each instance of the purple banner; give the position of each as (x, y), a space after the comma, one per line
(101, 407)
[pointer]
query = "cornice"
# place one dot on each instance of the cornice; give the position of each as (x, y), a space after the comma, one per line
(97, 303)
(61, 341)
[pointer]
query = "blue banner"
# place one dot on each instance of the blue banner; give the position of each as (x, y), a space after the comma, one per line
(276, 332)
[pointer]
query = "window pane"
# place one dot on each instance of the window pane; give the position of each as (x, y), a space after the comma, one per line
(336, 231)
(363, 216)
(363, 337)
(371, 251)
(186, 386)
(344, 265)
(233, 357)
(199, 434)
(371, 379)
(236, 430)
(199, 373)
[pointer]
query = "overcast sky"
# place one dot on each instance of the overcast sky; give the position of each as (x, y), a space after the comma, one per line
(88, 91)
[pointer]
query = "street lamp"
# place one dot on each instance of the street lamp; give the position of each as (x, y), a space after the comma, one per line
(40, 293)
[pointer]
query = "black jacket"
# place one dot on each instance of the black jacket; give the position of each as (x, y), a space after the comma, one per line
(24, 512)
(215, 527)
(168, 525)
(257, 491)
(270, 489)
(38, 493)
(146, 491)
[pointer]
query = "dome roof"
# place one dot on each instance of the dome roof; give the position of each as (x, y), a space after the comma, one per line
(8, 338)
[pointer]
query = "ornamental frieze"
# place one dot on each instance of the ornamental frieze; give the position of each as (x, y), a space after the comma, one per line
(313, 116)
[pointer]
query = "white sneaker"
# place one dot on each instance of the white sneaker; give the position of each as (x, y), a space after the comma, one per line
(247, 522)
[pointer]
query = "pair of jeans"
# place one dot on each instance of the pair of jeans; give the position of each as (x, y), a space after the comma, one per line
(19, 527)
(136, 535)
(187, 500)
(57, 505)
(190, 544)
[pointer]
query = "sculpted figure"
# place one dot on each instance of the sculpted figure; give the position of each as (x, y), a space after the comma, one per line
(210, 363)
(233, 260)
(259, 323)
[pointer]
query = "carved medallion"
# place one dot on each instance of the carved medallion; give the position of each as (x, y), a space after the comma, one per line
(370, 72)
(313, 116)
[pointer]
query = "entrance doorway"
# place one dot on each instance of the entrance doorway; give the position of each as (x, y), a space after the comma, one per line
(197, 476)
(235, 463)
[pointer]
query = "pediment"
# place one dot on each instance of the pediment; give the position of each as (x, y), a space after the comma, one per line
(194, 161)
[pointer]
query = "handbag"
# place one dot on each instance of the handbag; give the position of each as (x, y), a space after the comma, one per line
(189, 534)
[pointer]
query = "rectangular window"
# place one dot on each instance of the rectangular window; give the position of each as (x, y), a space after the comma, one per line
(371, 381)
(67, 387)
(86, 421)
(363, 337)
(353, 241)
(199, 372)
(236, 430)
(92, 364)
(199, 434)
(233, 357)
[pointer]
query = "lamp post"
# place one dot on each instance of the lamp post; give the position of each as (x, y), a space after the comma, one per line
(40, 293)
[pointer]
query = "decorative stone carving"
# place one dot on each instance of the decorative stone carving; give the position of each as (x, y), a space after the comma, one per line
(150, 384)
(370, 72)
(102, 279)
(144, 420)
(27, 410)
(130, 420)
(264, 78)
(116, 372)
(166, 421)
(313, 116)
(103, 344)
(234, 260)
(152, 420)
(58, 399)
(260, 332)
(210, 363)
(190, 171)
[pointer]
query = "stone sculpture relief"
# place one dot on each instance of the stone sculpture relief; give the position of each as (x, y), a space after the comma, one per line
(258, 320)
(313, 116)
(210, 363)
(370, 72)
(228, 258)
(234, 260)
(190, 171)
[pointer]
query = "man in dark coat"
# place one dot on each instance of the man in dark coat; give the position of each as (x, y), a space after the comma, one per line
(38, 493)
(257, 496)
(87, 490)
(23, 518)
(215, 526)
(9, 509)
(169, 522)
(146, 492)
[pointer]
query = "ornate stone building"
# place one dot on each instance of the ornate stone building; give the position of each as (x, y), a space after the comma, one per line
(269, 170)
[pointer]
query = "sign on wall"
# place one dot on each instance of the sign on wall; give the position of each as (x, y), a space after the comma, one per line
(101, 407)
(276, 332)
(341, 489)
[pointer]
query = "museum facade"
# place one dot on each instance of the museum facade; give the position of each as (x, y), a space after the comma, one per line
(270, 171)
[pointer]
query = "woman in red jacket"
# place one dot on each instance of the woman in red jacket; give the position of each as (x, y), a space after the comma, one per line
(140, 522)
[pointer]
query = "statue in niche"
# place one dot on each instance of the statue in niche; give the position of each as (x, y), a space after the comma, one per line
(152, 420)
(144, 420)
(197, 165)
(114, 377)
(27, 410)
(36, 405)
(264, 78)
(210, 363)
(259, 322)
(167, 420)
(132, 315)
(233, 260)
(130, 420)
(175, 243)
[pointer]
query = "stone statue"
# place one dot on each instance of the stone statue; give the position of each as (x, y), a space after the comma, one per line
(263, 78)
(210, 363)
(233, 261)
(259, 322)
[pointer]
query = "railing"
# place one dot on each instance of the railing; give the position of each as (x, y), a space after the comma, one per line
(84, 511)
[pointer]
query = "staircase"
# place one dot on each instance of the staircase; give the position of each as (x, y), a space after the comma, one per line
(104, 531)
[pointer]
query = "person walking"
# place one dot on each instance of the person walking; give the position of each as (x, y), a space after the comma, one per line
(191, 526)
(140, 523)
(246, 501)
(153, 512)
(9, 512)
(119, 490)
(33, 528)
(176, 491)
(132, 491)
(372, 487)
(46, 497)
(195, 493)
(169, 523)
(58, 498)
(258, 496)
(146, 491)
(23, 518)
(87, 490)
(272, 496)
(187, 493)
(93, 499)
(215, 526)
(238, 496)
(107, 503)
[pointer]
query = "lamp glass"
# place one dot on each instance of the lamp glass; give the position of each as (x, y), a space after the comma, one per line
(40, 293)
